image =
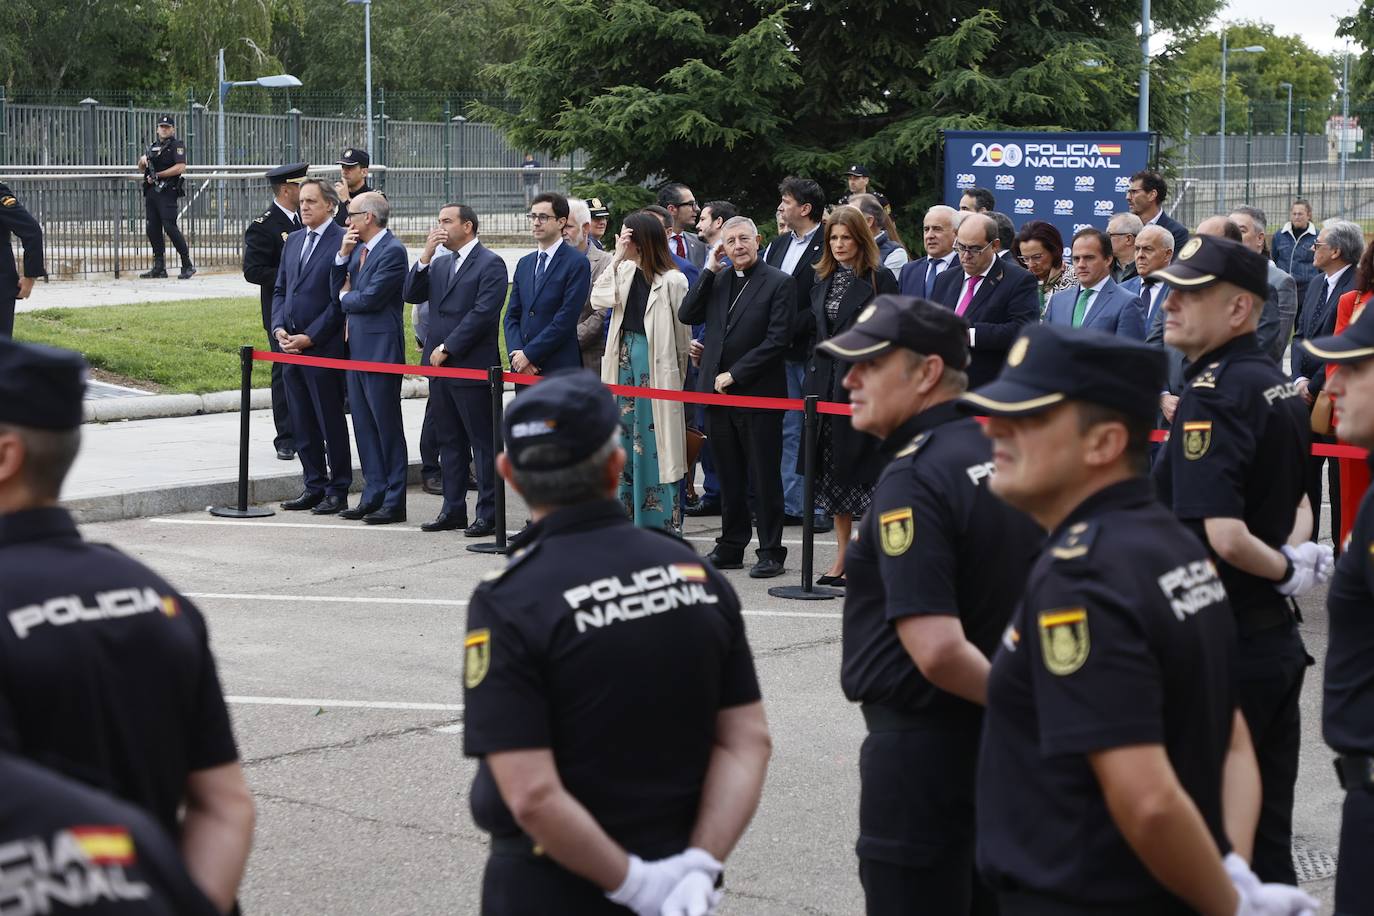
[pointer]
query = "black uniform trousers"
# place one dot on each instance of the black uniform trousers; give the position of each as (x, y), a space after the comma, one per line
(916, 814)
(525, 885)
(161, 208)
(748, 451)
(1313, 485)
(1354, 877)
(462, 423)
(429, 439)
(281, 411)
(318, 427)
(1270, 666)
(1023, 904)
(9, 294)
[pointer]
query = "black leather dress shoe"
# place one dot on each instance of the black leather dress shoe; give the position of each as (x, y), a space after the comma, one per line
(480, 529)
(719, 561)
(306, 500)
(822, 524)
(361, 510)
(445, 521)
(286, 454)
(433, 486)
(330, 505)
(704, 507)
(385, 517)
(766, 569)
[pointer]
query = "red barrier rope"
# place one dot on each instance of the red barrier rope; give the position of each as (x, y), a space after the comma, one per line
(663, 394)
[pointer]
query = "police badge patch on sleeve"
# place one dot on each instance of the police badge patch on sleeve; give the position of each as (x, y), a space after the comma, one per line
(1064, 639)
(896, 531)
(478, 658)
(1197, 438)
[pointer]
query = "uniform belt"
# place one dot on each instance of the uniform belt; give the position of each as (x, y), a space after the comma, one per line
(1355, 772)
(880, 718)
(516, 845)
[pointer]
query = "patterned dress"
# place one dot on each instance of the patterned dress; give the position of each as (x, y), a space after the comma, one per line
(831, 495)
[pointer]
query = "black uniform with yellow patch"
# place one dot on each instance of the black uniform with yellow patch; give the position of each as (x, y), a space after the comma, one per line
(614, 647)
(262, 245)
(160, 195)
(1124, 637)
(935, 542)
(16, 221)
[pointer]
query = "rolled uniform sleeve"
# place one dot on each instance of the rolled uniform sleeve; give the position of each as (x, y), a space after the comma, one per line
(1208, 468)
(505, 705)
(916, 556)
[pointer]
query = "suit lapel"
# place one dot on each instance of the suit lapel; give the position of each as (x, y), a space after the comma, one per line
(746, 297)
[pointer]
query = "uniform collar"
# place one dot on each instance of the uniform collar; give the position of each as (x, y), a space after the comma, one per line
(929, 418)
(587, 515)
(1124, 494)
(1245, 343)
(36, 524)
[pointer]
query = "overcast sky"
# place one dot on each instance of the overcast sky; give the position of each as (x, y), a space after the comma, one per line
(1314, 20)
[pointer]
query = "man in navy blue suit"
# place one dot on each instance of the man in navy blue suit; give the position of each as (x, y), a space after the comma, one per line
(306, 319)
(465, 288)
(370, 274)
(918, 277)
(551, 285)
(1146, 196)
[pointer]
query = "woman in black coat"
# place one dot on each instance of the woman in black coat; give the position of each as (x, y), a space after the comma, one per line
(849, 275)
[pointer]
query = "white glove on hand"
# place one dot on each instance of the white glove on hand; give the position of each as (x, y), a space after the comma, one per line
(647, 884)
(1312, 565)
(695, 895)
(1258, 899)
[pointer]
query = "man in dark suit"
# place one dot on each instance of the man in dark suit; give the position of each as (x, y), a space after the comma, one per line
(682, 209)
(1146, 196)
(795, 253)
(1096, 301)
(465, 290)
(306, 319)
(1154, 250)
(370, 274)
(995, 297)
(918, 277)
(749, 313)
(1337, 250)
(17, 220)
(550, 286)
(262, 244)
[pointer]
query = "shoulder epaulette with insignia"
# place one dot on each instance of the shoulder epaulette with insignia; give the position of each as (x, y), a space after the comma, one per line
(519, 556)
(261, 219)
(1076, 542)
(914, 446)
(1207, 378)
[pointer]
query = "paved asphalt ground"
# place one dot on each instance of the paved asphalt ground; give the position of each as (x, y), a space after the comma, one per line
(340, 648)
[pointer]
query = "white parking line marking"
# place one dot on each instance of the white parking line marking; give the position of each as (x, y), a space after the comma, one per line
(326, 599)
(343, 704)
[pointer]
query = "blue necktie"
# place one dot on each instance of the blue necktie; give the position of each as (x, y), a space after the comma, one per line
(1145, 296)
(930, 277)
(539, 268)
(310, 241)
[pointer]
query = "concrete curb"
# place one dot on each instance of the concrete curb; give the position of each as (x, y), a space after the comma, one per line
(161, 406)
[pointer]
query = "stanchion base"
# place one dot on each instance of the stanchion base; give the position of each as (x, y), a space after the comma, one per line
(488, 547)
(801, 593)
(236, 512)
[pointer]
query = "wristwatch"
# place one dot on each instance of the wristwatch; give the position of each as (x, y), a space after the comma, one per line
(441, 349)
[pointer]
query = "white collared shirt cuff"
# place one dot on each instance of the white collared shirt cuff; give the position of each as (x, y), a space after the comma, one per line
(339, 262)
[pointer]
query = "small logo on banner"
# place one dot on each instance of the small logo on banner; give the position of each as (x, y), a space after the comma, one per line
(1005, 183)
(1084, 183)
(1103, 208)
(1044, 182)
(1123, 184)
(1077, 227)
(1024, 205)
(964, 180)
(1063, 207)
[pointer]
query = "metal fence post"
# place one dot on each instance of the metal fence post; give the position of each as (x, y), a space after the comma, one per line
(293, 135)
(1302, 144)
(88, 128)
(190, 126)
(381, 153)
(4, 131)
(1249, 146)
(448, 151)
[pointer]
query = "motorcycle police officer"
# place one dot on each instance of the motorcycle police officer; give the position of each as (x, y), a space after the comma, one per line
(163, 165)
(1112, 731)
(924, 609)
(609, 688)
(107, 671)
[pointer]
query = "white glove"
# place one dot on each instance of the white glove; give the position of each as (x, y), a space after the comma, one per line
(695, 895)
(647, 884)
(1258, 899)
(1312, 565)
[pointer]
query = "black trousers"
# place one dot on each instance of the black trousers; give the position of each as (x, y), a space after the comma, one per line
(319, 428)
(748, 450)
(161, 208)
(1270, 666)
(429, 439)
(462, 424)
(1314, 489)
(516, 885)
(9, 292)
(281, 410)
(1354, 877)
(1024, 904)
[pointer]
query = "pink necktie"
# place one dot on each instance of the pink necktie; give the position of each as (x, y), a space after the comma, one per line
(968, 295)
(681, 248)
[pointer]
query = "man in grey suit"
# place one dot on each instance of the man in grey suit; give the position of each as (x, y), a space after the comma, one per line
(1154, 250)
(1096, 301)
(677, 199)
(1281, 308)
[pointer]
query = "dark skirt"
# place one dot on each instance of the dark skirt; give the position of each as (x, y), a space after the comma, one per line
(836, 492)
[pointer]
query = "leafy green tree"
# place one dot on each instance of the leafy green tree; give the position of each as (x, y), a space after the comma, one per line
(83, 44)
(1360, 28)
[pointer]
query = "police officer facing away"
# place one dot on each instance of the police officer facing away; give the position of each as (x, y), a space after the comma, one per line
(1233, 472)
(1112, 733)
(1348, 705)
(923, 611)
(610, 691)
(163, 185)
(107, 671)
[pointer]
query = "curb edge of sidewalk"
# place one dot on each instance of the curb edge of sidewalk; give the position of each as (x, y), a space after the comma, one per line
(171, 406)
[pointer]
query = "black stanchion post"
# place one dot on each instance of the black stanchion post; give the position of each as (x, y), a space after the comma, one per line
(498, 387)
(808, 591)
(243, 510)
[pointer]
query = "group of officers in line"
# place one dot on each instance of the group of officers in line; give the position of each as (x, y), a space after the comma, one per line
(1088, 731)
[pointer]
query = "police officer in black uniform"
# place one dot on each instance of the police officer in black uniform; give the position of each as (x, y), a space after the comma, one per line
(262, 245)
(1233, 472)
(15, 220)
(1348, 706)
(924, 609)
(610, 691)
(107, 675)
(163, 185)
(72, 849)
(1112, 722)
(858, 178)
(354, 163)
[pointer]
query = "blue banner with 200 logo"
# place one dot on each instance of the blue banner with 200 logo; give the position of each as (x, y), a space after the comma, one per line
(1072, 180)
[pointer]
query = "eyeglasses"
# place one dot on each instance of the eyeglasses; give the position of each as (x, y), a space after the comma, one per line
(539, 217)
(352, 213)
(1120, 235)
(1034, 258)
(1320, 244)
(689, 202)
(971, 249)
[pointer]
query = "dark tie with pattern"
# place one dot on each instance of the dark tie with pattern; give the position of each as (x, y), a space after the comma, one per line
(539, 268)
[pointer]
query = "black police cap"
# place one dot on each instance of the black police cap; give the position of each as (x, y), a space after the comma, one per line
(559, 421)
(354, 156)
(1051, 364)
(857, 171)
(293, 172)
(166, 121)
(40, 387)
(597, 209)
(1205, 260)
(891, 321)
(1354, 345)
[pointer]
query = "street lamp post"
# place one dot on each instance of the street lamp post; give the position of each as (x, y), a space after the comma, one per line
(1252, 49)
(1143, 118)
(367, 64)
(280, 80)
(1288, 129)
